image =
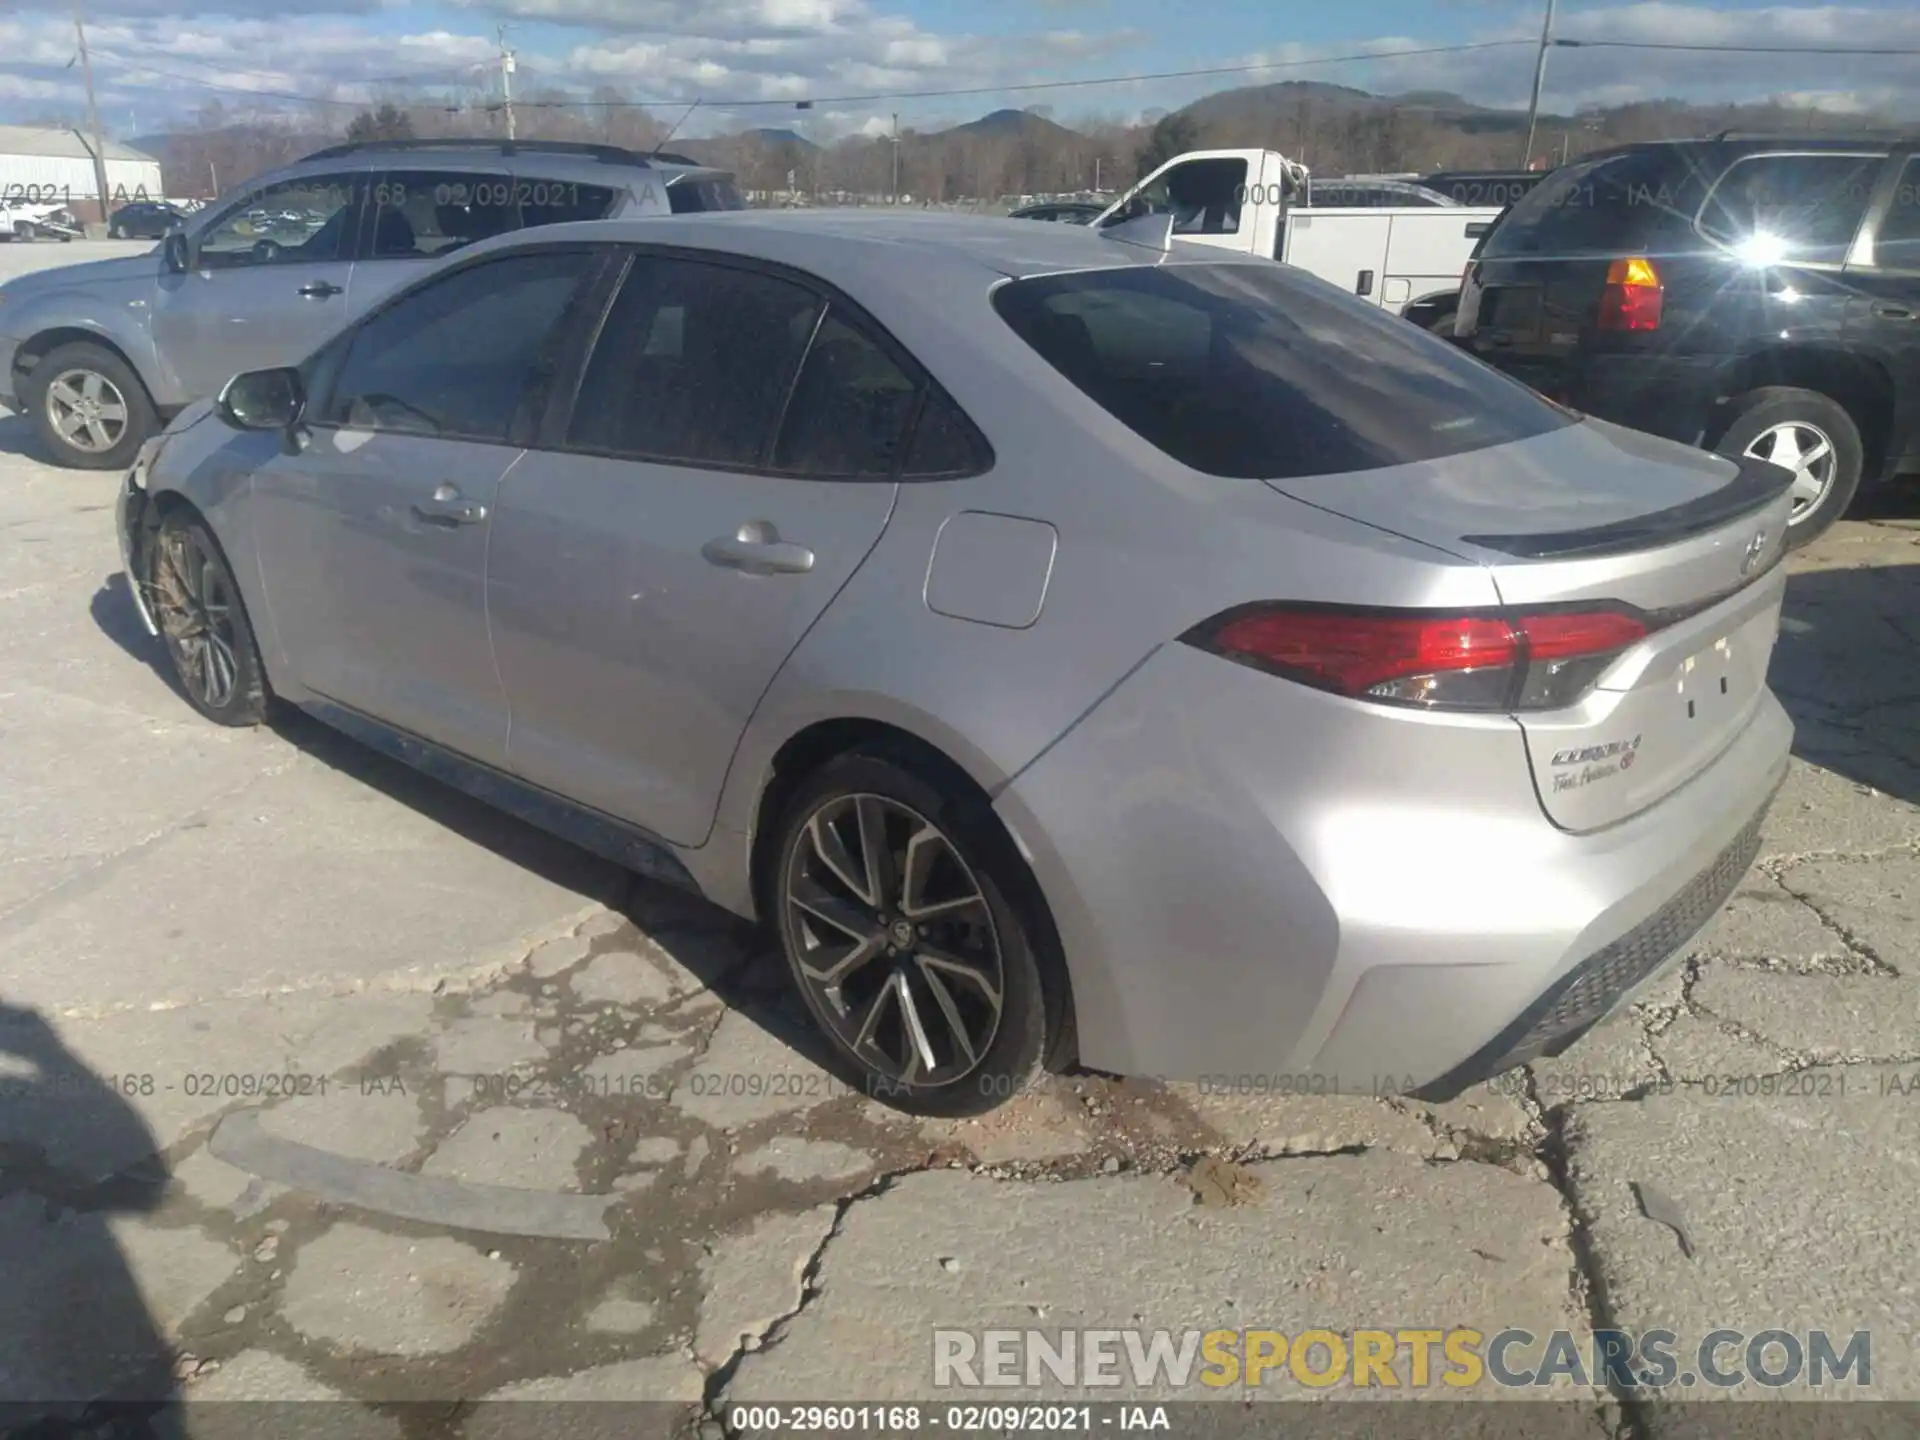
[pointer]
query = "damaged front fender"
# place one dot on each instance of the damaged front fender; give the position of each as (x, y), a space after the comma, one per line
(138, 518)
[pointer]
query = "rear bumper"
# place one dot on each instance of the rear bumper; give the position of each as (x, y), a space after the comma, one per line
(1337, 900)
(1673, 396)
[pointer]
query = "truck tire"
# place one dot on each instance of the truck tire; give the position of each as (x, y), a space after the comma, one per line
(1809, 433)
(89, 408)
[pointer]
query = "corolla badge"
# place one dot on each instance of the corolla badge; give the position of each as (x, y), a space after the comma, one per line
(1595, 762)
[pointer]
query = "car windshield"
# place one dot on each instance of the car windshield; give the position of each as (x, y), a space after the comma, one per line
(1257, 371)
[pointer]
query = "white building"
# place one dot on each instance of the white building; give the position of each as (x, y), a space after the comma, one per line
(49, 166)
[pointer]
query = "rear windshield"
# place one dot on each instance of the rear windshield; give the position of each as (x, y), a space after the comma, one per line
(1261, 372)
(1612, 203)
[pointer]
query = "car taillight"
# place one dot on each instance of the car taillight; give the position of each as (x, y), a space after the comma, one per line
(1634, 296)
(1487, 661)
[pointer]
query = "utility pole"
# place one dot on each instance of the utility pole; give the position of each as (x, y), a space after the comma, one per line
(506, 79)
(93, 112)
(896, 158)
(1539, 78)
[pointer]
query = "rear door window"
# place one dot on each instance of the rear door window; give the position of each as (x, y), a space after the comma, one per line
(1897, 246)
(1792, 207)
(849, 408)
(693, 364)
(1252, 371)
(421, 214)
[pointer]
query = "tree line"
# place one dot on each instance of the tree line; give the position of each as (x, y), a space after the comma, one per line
(1011, 156)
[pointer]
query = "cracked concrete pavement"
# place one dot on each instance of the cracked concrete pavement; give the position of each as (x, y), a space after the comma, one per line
(318, 1082)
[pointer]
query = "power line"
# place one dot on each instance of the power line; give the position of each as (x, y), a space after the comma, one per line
(1740, 49)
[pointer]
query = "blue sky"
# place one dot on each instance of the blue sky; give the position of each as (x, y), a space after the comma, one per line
(158, 60)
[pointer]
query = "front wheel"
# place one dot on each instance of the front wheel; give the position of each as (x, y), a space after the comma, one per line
(204, 623)
(89, 408)
(1809, 434)
(896, 904)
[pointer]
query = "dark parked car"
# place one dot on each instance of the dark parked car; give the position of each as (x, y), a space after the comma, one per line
(1064, 212)
(1759, 297)
(144, 220)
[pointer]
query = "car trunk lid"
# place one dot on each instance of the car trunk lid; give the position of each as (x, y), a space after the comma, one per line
(1594, 517)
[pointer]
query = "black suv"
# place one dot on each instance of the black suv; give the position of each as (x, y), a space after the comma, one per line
(1756, 296)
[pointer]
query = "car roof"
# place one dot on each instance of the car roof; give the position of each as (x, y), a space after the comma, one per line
(859, 248)
(581, 163)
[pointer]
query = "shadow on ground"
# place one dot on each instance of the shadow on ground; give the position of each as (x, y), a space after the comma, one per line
(734, 959)
(1845, 669)
(17, 437)
(77, 1341)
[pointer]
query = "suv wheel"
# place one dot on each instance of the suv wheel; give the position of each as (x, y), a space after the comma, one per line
(204, 623)
(23, 230)
(90, 409)
(1809, 434)
(894, 899)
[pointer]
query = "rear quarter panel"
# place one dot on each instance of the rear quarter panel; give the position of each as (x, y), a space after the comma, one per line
(1146, 550)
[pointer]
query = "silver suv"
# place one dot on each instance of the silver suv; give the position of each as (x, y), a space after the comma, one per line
(101, 355)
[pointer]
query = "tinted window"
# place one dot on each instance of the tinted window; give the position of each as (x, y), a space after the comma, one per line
(693, 364)
(1808, 206)
(692, 195)
(422, 213)
(1247, 370)
(944, 441)
(1607, 205)
(297, 222)
(461, 357)
(849, 409)
(1898, 243)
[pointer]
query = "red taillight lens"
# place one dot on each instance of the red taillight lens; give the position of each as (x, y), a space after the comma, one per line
(1482, 661)
(1634, 296)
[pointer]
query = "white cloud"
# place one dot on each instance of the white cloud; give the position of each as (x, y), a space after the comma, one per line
(669, 52)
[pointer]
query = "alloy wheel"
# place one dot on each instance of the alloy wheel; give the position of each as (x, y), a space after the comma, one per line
(894, 940)
(1807, 451)
(87, 410)
(196, 616)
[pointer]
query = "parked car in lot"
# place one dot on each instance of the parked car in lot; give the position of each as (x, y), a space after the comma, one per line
(99, 355)
(1069, 642)
(1757, 296)
(144, 220)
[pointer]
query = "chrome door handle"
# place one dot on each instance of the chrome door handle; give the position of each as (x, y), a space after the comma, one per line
(320, 289)
(446, 507)
(1893, 312)
(757, 549)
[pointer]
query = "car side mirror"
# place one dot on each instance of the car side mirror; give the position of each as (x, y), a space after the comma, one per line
(178, 254)
(263, 400)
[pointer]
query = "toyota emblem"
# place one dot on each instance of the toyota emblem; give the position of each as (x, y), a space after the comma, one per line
(1756, 547)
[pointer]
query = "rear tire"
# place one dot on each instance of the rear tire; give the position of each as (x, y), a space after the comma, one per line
(23, 231)
(1809, 433)
(204, 623)
(59, 391)
(930, 950)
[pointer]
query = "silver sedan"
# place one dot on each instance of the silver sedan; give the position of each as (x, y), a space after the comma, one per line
(1074, 647)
